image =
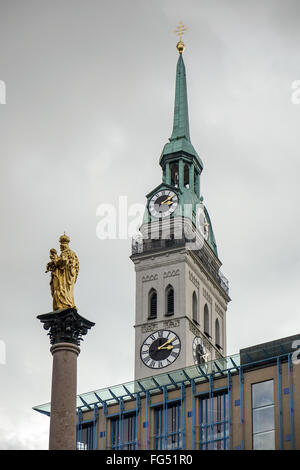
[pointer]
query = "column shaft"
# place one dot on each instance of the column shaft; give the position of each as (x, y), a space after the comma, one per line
(63, 397)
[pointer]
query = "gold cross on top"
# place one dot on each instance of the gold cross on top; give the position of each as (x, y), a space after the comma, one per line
(180, 30)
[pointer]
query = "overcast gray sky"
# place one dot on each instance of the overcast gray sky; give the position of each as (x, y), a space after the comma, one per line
(90, 91)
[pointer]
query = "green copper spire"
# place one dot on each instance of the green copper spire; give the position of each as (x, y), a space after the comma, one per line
(181, 127)
(181, 165)
(180, 140)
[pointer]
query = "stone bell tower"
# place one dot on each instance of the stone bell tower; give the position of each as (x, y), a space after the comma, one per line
(181, 295)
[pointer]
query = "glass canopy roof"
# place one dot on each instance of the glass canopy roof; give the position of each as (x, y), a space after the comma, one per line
(170, 380)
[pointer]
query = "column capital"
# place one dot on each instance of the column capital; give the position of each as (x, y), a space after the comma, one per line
(65, 326)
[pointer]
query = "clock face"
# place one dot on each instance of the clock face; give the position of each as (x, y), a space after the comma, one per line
(160, 349)
(163, 203)
(200, 353)
(202, 223)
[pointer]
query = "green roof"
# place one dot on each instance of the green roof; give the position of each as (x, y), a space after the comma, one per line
(180, 140)
(181, 114)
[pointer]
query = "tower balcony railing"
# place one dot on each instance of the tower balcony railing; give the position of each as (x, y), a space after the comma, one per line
(140, 245)
(147, 245)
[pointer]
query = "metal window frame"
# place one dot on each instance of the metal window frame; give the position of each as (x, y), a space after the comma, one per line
(206, 416)
(269, 405)
(119, 418)
(93, 431)
(161, 421)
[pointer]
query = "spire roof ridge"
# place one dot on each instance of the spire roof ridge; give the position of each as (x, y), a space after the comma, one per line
(180, 140)
(181, 127)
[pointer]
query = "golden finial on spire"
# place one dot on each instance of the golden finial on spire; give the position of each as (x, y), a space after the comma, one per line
(180, 31)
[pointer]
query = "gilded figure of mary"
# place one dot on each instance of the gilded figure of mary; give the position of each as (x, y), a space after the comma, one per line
(64, 271)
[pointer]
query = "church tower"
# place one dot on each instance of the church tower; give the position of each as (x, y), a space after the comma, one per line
(181, 295)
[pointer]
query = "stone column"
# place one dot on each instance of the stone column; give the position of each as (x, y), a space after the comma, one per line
(66, 328)
(63, 397)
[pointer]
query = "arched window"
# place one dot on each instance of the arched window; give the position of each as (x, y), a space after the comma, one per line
(195, 307)
(206, 320)
(169, 300)
(186, 176)
(152, 311)
(174, 174)
(217, 333)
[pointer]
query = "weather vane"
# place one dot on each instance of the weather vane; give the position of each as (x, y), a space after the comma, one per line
(180, 31)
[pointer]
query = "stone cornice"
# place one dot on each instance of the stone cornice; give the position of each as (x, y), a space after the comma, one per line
(163, 262)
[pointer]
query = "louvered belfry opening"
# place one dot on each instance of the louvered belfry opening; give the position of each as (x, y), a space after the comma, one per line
(169, 300)
(152, 303)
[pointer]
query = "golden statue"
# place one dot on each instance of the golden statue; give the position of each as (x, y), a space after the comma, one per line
(64, 271)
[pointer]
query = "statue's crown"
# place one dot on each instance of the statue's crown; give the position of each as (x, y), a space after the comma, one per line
(64, 239)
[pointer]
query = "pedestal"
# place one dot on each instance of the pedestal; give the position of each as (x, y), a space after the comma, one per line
(66, 328)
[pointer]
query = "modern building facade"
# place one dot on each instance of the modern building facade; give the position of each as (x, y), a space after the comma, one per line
(247, 401)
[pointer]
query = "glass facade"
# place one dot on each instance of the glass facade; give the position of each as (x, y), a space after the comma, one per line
(85, 436)
(213, 430)
(123, 432)
(263, 417)
(167, 427)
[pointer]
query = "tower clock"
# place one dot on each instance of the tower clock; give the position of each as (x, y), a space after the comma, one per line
(160, 349)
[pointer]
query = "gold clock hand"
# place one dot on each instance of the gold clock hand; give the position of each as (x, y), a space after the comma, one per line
(167, 342)
(167, 347)
(167, 201)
